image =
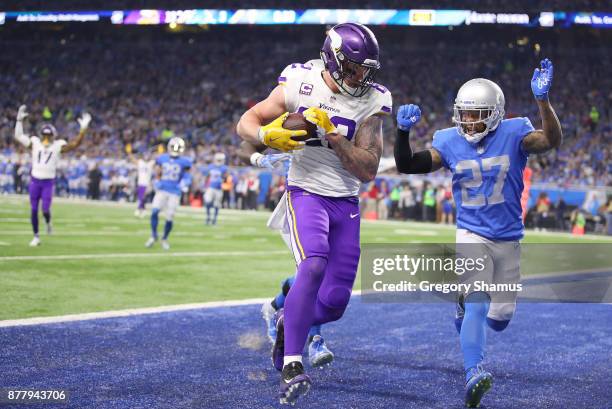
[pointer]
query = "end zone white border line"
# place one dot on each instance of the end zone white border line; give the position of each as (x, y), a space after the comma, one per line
(134, 311)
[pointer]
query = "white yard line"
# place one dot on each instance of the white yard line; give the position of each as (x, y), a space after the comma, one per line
(144, 255)
(134, 311)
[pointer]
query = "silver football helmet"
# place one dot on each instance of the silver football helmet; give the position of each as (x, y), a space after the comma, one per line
(483, 102)
(176, 146)
(219, 158)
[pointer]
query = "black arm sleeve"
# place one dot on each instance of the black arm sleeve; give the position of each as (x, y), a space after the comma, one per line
(405, 160)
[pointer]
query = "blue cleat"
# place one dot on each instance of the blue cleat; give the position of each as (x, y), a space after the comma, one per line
(318, 353)
(267, 312)
(278, 350)
(293, 384)
(479, 383)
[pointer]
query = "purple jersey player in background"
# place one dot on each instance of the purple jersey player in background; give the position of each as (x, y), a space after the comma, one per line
(46, 151)
(338, 94)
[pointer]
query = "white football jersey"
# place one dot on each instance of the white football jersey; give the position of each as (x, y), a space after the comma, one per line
(45, 158)
(145, 171)
(317, 168)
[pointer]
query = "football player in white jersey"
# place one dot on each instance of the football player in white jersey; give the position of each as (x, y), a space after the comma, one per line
(46, 150)
(144, 167)
(338, 94)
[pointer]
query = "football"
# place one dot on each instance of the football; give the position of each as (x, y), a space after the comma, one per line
(297, 122)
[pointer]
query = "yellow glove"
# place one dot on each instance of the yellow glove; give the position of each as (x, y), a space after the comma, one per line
(277, 137)
(319, 117)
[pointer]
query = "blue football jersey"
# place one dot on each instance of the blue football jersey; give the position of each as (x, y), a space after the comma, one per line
(173, 169)
(487, 178)
(215, 172)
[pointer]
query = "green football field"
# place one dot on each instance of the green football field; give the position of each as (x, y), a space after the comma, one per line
(96, 261)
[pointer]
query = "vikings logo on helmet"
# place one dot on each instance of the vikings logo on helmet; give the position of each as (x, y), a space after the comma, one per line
(48, 131)
(350, 53)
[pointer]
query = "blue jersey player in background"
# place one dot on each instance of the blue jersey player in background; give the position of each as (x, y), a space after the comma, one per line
(215, 173)
(486, 155)
(172, 170)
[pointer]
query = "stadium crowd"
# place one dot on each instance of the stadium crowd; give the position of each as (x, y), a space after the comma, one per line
(144, 86)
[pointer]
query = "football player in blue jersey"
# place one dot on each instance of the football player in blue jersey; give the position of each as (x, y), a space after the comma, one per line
(172, 169)
(486, 155)
(215, 173)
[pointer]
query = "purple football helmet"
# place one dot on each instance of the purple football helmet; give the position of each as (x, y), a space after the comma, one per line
(350, 54)
(48, 131)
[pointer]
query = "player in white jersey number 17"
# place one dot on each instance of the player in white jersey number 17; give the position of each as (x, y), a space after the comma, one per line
(46, 150)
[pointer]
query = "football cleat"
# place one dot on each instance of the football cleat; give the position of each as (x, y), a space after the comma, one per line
(479, 383)
(293, 384)
(165, 245)
(35, 242)
(267, 312)
(278, 349)
(150, 242)
(318, 353)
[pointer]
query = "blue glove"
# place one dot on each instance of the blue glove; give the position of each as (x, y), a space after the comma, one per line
(269, 161)
(542, 79)
(407, 116)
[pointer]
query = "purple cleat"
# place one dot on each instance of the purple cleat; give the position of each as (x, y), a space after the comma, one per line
(294, 383)
(278, 350)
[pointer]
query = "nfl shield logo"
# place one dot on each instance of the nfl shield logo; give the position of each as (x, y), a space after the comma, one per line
(305, 89)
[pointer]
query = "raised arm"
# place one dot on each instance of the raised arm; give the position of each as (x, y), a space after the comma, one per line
(22, 138)
(551, 135)
(83, 121)
(406, 161)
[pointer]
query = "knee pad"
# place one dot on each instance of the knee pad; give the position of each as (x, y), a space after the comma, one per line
(154, 212)
(335, 301)
(497, 325)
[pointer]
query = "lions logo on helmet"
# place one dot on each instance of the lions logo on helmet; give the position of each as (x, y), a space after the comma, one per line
(176, 146)
(478, 109)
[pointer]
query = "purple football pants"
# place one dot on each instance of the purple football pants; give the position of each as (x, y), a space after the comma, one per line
(325, 243)
(40, 189)
(141, 190)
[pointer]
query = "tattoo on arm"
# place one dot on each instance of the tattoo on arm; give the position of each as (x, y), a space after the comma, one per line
(361, 158)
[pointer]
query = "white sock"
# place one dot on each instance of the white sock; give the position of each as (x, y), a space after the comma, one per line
(291, 358)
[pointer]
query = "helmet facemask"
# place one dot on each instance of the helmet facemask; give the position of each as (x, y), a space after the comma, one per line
(48, 133)
(474, 123)
(176, 146)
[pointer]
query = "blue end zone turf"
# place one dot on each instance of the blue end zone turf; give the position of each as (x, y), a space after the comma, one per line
(387, 356)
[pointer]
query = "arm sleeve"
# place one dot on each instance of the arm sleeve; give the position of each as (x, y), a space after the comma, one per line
(20, 136)
(405, 160)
